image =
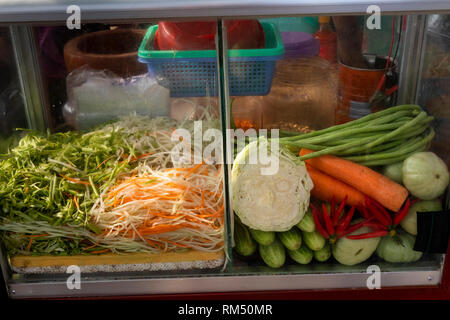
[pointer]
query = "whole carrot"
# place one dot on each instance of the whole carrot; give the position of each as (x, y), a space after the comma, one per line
(387, 192)
(325, 187)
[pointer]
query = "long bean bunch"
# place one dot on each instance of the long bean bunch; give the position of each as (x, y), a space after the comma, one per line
(379, 138)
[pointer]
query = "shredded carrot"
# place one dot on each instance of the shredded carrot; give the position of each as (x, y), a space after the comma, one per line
(100, 251)
(192, 170)
(76, 202)
(33, 236)
(92, 246)
(103, 162)
(203, 200)
(153, 244)
(166, 209)
(160, 229)
(175, 243)
(132, 158)
(75, 180)
(143, 155)
(162, 215)
(36, 235)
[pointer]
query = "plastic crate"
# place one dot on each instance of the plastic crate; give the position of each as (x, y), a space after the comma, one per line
(194, 73)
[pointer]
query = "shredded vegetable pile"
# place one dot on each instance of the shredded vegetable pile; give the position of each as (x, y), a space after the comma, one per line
(54, 192)
(170, 209)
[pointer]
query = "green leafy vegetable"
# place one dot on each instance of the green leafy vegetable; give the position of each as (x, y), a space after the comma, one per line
(50, 182)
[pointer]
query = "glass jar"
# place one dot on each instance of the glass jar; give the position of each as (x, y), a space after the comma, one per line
(303, 95)
(247, 112)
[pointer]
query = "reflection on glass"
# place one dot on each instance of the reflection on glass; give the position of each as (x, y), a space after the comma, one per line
(12, 113)
(435, 82)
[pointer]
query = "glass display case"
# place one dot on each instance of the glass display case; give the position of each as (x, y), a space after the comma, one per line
(221, 147)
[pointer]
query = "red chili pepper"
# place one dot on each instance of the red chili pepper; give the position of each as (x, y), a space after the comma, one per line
(339, 210)
(341, 218)
(333, 209)
(353, 228)
(319, 226)
(364, 212)
(328, 222)
(375, 234)
(382, 210)
(345, 221)
(399, 216)
(378, 215)
(375, 226)
(333, 226)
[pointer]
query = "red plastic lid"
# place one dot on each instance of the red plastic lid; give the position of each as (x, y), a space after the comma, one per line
(199, 35)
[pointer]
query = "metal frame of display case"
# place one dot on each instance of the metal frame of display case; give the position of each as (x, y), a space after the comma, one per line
(22, 11)
(411, 59)
(435, 281)
(210, 284)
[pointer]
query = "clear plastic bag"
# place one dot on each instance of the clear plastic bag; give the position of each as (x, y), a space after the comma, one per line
(95, 97)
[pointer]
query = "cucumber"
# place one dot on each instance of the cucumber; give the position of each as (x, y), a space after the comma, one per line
(273, 255)
(307, 223)
(323, 254)
(302, 255)
(244, 243)
(314, 240)
(262, 237)
(291, 239)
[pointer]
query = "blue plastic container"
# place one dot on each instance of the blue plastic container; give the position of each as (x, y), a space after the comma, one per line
(194, 73)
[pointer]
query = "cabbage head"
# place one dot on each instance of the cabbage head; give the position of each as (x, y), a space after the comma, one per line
(270, 202)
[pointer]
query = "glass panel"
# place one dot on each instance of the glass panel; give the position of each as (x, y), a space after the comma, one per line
(329, 85)
(434, 92)
(12, 113)
(128, 180)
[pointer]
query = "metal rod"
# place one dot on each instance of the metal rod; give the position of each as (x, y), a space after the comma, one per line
(411, 59)
(224, 98)
(29, 74)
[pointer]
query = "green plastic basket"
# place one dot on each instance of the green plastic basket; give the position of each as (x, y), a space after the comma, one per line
(193, 73)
